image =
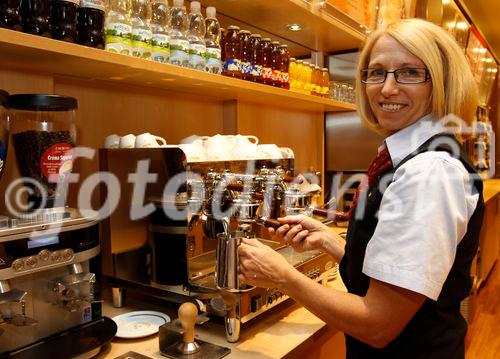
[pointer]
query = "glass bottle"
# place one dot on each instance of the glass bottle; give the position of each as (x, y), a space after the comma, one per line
(140, 17)
(213, 54)
(91, 15)
(222, 43)
(63, 14)
(284, 66)
(160, 48)
(275, 64)
(246, 53)
(255, 60)
(325, 82)
(35, 16)
(10, 14)
(117, 28)
(292, 74)
(232, 63)
(265, 53)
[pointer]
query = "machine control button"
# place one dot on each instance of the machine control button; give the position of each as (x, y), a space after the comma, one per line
(255, 303)
(55, 256)
(18, 265)
(67, 254)
(44, 255)
(31, 262)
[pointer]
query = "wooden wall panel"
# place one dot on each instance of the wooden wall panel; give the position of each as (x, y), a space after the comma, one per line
(303, 132)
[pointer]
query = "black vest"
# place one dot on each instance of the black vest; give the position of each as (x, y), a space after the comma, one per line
(438, 329)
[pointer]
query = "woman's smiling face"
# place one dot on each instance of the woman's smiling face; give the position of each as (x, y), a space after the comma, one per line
(397, 105)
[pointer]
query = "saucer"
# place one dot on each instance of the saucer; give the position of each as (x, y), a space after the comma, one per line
(139, 324)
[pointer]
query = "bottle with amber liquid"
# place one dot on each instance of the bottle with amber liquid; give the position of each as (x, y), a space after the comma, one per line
(246, 54)
(10, 14)
(91, 16)
(283, 67)
(222, 43)
(255, 57)
(266, 62)
(35, 16)
(275, 64)
(232, 64)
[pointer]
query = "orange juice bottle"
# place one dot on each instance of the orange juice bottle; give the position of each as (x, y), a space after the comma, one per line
(299, 86)
(317, 80)
(307, 78)
(325, 82)
(292, 74)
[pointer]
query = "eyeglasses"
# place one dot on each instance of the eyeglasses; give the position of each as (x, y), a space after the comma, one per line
(402, 76)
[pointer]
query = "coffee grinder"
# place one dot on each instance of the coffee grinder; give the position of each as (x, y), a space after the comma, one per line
(48, 251)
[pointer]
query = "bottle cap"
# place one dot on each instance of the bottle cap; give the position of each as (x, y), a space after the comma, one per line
(195, 6)
(275, 43)
(324, 69)
(284, 45)
(178, 3)
(292, 59)
(244, 32)
(233, 27)
(266, 39)
(211, 12)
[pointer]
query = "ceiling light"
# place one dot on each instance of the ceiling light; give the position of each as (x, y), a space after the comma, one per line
(294, 27)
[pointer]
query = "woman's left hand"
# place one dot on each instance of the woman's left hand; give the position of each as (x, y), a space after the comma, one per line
(262, 266)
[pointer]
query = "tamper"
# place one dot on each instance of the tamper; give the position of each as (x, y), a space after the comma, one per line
(177, 341)
(187, 315)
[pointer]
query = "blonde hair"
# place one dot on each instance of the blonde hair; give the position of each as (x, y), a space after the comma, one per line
(453, 88)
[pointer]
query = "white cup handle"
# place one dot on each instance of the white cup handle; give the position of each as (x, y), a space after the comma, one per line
(162, 141)
(254, 138)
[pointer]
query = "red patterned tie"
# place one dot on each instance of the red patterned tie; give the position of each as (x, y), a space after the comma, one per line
(379, 165)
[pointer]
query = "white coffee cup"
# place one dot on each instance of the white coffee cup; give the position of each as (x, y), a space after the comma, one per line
(219, 147)
(287, 152)
(127, 141)
(112, 141)
(269, 151)
(148, 140)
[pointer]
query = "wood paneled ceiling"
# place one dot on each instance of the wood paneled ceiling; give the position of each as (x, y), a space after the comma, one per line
(485, 15)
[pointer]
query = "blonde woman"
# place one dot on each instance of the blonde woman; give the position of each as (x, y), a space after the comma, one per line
(415, 225)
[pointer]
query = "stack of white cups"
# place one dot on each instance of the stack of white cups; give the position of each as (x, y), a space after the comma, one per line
(144, 140)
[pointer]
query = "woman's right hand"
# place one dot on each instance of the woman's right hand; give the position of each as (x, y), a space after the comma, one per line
(305, 233)
(301, 232)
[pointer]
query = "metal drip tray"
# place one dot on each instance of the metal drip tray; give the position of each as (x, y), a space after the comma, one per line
(202, 268)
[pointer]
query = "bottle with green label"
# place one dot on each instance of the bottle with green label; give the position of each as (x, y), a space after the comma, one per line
(141, 32)
(177, 34)
(213, 62)
(159, 27)
(117, 27)
(196, 37)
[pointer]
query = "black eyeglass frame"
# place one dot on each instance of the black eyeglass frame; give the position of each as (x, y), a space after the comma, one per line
(396, 72)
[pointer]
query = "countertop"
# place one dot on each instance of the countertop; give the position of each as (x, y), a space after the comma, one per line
(491, 188)
(274, 334)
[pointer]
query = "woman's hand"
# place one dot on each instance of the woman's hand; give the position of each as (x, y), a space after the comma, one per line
(305, 233)
(301, 232)
(262, 266)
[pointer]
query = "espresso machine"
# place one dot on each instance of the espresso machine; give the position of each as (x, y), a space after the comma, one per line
(175, 228)
(47, 299)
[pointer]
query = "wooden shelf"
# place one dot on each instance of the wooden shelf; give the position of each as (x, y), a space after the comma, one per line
(31, 53)
(321, 31)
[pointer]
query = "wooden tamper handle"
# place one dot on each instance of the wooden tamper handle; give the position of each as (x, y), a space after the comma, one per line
(187, 315)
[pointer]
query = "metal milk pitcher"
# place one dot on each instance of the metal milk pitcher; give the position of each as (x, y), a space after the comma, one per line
(226, 274)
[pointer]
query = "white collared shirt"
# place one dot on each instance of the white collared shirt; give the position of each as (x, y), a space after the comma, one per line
(423, 214)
